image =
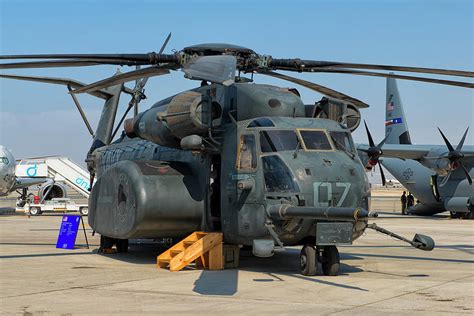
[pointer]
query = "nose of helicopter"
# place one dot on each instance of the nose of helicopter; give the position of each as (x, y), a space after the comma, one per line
(330, 179)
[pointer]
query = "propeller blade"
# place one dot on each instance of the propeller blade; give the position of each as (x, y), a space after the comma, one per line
(383, 141)
(446, 141)
(466, 173)
(382, 175)
(389, 75)
(369, 136)
(217, 69)
(303, 65)
(318, 88)
(121, 78)
(461, 143)
(61, 81)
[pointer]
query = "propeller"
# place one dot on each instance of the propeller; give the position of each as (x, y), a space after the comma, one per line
(374, 152)
(455, 156)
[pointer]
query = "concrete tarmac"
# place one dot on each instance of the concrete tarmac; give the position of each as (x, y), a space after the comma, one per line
(379, 275)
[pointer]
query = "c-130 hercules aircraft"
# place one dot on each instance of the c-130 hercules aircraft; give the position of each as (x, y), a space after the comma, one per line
(249, 160)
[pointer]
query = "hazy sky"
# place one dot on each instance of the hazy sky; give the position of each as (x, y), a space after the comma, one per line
(39, 119)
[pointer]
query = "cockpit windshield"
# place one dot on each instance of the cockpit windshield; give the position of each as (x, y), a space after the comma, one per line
(342, 141)
(278, 140)
(315, 140)
(4, 161)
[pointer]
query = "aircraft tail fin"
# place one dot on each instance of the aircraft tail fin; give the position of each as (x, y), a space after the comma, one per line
(396, 127)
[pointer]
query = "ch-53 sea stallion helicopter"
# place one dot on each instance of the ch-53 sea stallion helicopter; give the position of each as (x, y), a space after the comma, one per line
(249, 160)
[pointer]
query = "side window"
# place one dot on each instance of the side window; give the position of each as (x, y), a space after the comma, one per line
(4, 160)
(246, 153)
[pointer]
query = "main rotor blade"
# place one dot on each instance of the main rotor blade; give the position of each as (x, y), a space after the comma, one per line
(217, 69)
(301, 65)
(121, 78)
(134, 57)
(461, 143)
(53, 63)
(61, 81)
(165, 43)
(403, 77)
(144, 80)
(318, 88)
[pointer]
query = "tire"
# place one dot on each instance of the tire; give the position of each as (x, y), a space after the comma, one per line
(122, 245)
(455, 214)
(308, 261)
(469, 215)
(331, 261)
(84, 211)
(106, 242)
(35, 211)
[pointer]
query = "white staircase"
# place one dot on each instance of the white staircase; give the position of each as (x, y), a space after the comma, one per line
(60, 169)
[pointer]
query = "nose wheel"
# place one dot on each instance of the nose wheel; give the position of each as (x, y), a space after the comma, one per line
(330, 260)
(308, 260)
(327, 255)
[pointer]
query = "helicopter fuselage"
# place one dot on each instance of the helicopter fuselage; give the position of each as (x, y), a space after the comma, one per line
(259, 151)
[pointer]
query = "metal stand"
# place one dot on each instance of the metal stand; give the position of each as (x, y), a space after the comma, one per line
(84, 229)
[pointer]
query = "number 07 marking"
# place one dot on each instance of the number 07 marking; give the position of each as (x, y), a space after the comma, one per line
(324, 201)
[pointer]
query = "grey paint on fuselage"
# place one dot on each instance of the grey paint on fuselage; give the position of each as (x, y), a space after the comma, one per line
(7, 171)
(424, 177)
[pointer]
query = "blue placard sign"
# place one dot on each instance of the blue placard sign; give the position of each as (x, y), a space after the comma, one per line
(68, 231)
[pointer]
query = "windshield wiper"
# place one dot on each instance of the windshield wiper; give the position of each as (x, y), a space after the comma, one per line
(343, 148)
(298, 147)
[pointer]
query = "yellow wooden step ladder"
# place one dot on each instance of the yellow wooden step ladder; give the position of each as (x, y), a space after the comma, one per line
(205, 249)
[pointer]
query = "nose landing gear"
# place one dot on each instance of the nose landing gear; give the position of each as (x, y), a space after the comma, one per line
(327, 255)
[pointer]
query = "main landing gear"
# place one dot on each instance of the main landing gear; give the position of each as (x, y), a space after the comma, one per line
(327, 255)
(106, 244)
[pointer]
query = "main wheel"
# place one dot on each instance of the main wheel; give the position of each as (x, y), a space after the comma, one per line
(455, 214)
(106, 243)
(35, 211)
(330, 260)
(308, 261)
(122, 245)
(84, 211)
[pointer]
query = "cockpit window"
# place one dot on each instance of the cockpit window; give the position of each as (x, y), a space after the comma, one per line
(342, 141)
(315, 140)
(278, 178)
(278, 140)
(4, 161)
(261, 122)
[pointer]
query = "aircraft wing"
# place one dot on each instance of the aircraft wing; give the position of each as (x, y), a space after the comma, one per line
(23, 182)
(415, 152)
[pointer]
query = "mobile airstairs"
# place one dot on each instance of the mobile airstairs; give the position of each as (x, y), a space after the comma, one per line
(61, 171)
